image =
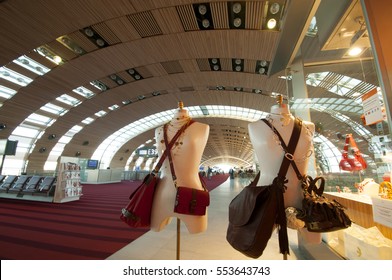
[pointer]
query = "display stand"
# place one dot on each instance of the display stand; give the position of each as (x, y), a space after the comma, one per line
(178, 238)
(68, 187)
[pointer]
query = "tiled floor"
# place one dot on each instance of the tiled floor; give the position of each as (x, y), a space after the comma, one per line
(209, 245)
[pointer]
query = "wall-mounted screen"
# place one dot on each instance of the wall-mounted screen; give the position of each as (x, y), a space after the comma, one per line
(92, 164)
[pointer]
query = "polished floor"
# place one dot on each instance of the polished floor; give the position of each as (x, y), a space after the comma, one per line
(209, 245)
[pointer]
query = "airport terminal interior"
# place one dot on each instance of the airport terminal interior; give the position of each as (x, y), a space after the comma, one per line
(89, 89)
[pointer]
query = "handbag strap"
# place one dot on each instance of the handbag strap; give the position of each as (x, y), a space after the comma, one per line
(281, 180)
(170, 145)
(290, 149)
(171, 162)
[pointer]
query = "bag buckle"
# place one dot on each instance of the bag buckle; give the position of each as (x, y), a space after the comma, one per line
(289, 156)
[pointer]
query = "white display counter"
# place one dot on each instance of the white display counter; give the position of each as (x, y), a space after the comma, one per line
(102, 176)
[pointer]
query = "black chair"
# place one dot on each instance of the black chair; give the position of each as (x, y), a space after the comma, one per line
(2, 177)
(8, 183)
(19, 184)
(46, 187)
(32, 185)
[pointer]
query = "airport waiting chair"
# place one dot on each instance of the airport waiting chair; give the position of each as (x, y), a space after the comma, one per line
(7, 183)
(19, 184)
(46, 187)
(32, 185)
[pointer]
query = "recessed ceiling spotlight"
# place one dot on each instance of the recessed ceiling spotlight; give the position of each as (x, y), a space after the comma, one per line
(216, 67)
(89, 32)
(237, 7)
(263, 63)
(202, 9)
(100, 42)
(214, 61)
(274, 9)
(238, 68)
(237, 22)
(57, 59)
(78, 50)
(137, 77)
(131, 71)
(271, 24)
(238, 61)
(262, 70)
(206, 23)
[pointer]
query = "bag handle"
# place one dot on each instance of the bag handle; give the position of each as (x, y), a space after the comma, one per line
(170, 145)
(309, 185)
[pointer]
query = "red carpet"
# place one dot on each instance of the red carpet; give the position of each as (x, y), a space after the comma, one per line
(88, 229)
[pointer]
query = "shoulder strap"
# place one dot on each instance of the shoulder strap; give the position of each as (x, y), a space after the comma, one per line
(289, 150)
(280, 181)
(170, 145)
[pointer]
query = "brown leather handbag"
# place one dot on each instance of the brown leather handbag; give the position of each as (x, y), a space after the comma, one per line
(257, 210)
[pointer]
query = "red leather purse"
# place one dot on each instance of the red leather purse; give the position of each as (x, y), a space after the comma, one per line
(352, 164)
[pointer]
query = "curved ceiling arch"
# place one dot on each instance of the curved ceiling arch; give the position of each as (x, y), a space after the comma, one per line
(161, 41)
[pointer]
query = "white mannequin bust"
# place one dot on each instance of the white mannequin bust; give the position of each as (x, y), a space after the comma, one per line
(270, 154)
(186, 157)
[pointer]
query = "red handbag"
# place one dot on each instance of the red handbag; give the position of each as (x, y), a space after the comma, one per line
(189, 201)
(352, 164)
(137, 213)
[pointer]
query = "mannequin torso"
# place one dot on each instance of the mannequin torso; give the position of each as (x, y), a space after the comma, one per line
(270, 154)
(186, 155)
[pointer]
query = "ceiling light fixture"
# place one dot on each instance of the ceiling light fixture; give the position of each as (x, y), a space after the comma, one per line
(203, 16)
(237, 22)
(271, 24)
(237, 7)
(273, 14)
(214, 64)
(355, 51)
(202, 9)
(274, 8)
(94, 37)
(206, 23)
(236, 12)
(134, 74)
(262, 67)
(237, 64)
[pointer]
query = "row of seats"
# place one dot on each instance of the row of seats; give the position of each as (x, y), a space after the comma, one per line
(27, 184)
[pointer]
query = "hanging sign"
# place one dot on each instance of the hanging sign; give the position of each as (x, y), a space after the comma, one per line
(372, 107)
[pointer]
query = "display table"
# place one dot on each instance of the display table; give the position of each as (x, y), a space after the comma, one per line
(366, 239)
(360, 210)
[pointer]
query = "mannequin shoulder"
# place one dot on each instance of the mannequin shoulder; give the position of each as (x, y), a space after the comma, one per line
(257, 126)
(200, 127)
(158, 130)
(309, 125)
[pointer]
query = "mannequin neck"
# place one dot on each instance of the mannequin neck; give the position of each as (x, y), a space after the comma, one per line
(282, 109)
(180, 117)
